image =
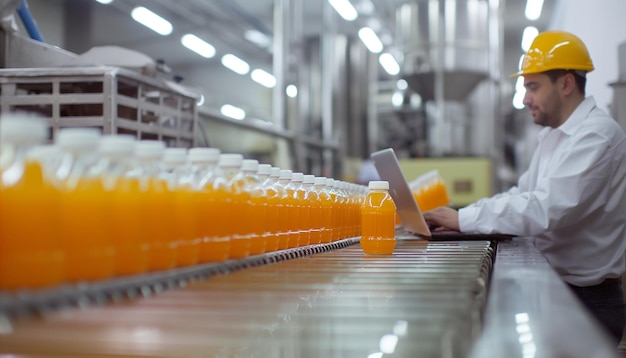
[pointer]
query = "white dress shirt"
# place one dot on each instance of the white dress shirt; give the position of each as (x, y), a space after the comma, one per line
(572, 199)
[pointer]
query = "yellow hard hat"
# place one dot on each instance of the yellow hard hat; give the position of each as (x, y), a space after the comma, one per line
(555, 50)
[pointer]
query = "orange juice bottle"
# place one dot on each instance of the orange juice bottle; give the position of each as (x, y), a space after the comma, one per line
(314, 223)
(156, 203)
(203, 170)
(256, 210)
(238, 223)
(326, 209)
(272, 196)
(302, 207)
(83, 212)
(336, 210)
(124, 204)
(31, 255)
(295, 213)
(177, 174)
(430, 191)
(378, 220)
(286, 213)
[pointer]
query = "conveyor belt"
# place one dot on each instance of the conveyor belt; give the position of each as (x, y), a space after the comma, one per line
(426, 300)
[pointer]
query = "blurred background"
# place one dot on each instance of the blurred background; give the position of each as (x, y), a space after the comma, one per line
(316, 86)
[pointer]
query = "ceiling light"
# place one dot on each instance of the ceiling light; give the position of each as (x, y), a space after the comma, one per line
(345, 9)
(258, 38)
(519, 84)
(105, 2)
(198, 45)
(533, 9)
(233, 112)
(389, 63)
(235, 64)
(263, 78)
(151, 20)
(402, 84)
(397, 99)
(292, 91)
(370, 39)
(530, 32)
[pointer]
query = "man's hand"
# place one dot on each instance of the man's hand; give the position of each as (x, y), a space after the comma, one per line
(442, 218)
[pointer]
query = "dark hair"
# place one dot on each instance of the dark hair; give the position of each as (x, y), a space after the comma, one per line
(580, 79)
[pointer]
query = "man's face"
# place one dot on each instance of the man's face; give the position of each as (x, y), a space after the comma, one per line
(543, 99)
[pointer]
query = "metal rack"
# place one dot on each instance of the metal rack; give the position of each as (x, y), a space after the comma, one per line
(113, 99)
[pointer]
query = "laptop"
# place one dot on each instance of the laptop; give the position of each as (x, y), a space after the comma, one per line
(413, 221)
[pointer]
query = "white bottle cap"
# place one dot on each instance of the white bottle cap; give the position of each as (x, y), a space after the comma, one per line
(15, 128)
(285, 174)
(320, 181)
(275, 172)
(149, 149)
(174, 157)
(378, 185)
(230, 160)
(202, 155)
(250, 165)
(265, 169)
(78, 139)
(330, 182)
(309, 179)
(117, 145)
(298, 177)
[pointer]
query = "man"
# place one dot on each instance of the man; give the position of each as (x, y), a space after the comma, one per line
(572, 198)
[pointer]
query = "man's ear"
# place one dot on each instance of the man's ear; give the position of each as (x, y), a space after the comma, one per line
(568, 84)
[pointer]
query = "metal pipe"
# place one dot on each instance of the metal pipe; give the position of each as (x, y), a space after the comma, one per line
(29, 23)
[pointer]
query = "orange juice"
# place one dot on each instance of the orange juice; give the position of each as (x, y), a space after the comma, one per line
(326, 204)
(285, 213)
(378, 217)
(335, 227)
(272, 214)
(302, 226)
(314, 224)
(213, 221)
(430, 191)
(187, 250)
(257, 205)
(239, 224)
(158, 224)
(293, 206)
(30, 253)
(85, 231)
(131, 247)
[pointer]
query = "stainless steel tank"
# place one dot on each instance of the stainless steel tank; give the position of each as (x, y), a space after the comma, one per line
(448, 36)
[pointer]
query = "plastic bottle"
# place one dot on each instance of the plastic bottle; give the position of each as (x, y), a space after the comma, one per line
(183, 208)
(256, 209)
(204, 172)
(299, 233)
(430, 191)
(286, 212)
(315, 210)
(326, 202)
(31, 256)
(378, 220)
(124, 204)
(84, 219)
(272, 194)
(157, 203)
(238, 222)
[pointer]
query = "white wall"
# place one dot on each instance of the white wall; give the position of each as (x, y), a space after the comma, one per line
(601, 24)
(49, 17)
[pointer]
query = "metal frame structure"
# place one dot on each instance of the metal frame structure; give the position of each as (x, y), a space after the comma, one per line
(113, 99)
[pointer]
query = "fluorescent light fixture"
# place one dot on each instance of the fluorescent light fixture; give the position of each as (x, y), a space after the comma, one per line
(402, 84)
(105, 2)
(233, 112)
(388, 343)
(370, 39)
(263, 78)
(533, 9)
(529, 34)
(518, 99)
(235, 64)
(389, 63)
(519, 64)
(345, 9)
(258, 38)
(292, 91)
(151, 20)
(198, 45)
(201, 100)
